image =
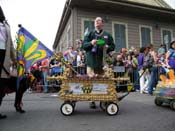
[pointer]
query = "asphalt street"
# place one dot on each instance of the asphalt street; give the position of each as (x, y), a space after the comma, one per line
(137, 113)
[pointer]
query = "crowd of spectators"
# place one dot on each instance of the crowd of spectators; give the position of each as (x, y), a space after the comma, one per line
(143, 67)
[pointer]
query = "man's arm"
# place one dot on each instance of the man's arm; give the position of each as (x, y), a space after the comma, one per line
(87, 44)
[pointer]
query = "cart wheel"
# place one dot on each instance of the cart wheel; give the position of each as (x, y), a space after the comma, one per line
(67, 109)
(172, 105)
(112, 109)
(158, 102)
(103, 106)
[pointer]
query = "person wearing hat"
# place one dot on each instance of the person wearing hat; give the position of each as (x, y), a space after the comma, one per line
(95, 52)
(7, 53)
(170, 55)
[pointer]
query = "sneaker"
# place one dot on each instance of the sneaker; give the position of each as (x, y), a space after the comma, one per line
(145, 91)
(92, 105)
(137, 90)
(3, 116)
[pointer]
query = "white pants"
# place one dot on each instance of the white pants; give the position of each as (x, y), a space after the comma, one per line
(144, 79)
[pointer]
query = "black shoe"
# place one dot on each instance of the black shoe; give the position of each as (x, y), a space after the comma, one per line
(20, 110)
(3, 116)
(92, 105)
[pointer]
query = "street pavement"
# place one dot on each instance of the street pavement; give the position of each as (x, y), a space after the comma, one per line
(137, 113)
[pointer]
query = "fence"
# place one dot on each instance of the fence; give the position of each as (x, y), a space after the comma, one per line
(121, 72)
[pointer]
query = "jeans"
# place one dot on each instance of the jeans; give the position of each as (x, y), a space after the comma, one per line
(45, 82)
(136, 79)
(153, 79)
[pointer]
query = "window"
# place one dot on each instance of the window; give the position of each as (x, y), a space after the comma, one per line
(166, 36)
(87, 25)
(120, 35)
(145, 35)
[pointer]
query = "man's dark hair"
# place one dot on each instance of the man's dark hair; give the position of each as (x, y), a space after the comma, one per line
(2, 16)
(142, 49)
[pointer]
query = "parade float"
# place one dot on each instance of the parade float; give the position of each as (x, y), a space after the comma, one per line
(165, 90)
(101, 88)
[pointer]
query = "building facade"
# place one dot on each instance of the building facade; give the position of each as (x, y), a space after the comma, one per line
(131, 22)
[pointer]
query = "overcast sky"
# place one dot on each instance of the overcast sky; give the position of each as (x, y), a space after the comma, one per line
(39, 17)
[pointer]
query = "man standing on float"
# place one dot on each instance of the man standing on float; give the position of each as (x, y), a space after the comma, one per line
(95, 43)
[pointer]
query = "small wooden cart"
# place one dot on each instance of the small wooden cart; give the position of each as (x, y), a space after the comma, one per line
(84, 88)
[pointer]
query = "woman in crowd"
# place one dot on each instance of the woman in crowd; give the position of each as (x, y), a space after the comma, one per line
(170, 55)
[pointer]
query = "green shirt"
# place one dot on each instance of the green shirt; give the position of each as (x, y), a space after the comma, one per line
(95, 60)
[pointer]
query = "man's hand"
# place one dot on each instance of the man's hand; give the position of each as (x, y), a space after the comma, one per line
(40, 67)
(94, 42)
(14, 62)
(106, 47)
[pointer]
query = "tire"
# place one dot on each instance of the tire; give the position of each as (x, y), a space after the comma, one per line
(103, 105)
(172, 105)
(67, 109)
(112, 109)
(158, 102)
